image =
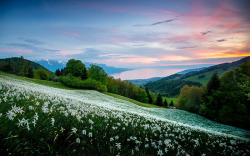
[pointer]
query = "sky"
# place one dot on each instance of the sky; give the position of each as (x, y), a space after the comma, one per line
(126, 33)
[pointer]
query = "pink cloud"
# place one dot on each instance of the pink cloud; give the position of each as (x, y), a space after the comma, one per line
(144, 60)
(73, 34)
(67, 53)
(27, 51)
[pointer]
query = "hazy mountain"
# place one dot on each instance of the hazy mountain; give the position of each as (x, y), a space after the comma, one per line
(191, 70)
(53, 65)
(141, 82)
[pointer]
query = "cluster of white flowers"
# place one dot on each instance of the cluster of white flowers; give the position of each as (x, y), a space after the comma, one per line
(82, 106)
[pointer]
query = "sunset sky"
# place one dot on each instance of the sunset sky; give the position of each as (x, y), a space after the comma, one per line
(126, 33)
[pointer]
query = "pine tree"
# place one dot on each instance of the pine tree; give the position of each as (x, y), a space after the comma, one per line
(213, 84)
(30, 72)
(171, 103)
(159, 100)
(150, 100)
(58, 72)
(165, 104)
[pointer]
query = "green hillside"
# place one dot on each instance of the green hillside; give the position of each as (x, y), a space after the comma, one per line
(34, 65)
(170, 86)
(204, 77)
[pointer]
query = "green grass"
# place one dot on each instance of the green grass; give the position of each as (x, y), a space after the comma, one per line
(132, 101)
(205, 79)
(169, 99)
(62, 86)
(41, 82)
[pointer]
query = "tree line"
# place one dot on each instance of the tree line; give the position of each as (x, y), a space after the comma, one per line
(76, 75)
(225, 99)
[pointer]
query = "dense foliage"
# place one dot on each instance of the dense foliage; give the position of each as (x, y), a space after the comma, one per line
(97, 73)
(169, 88)
(77, 82)
(76, 68)
(224, 99)
(127, 89)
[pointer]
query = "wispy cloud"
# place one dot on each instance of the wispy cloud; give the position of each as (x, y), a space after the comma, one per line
(156, 23)
(32, 41)
(73, 34)
(186, 47)
(205, 33)
(221, 40)
(33, 48)
(162, 22)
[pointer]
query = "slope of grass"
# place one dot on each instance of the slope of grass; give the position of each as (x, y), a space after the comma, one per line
(132, 101)
(205, 79)
(62, 86)
(37, 81)
(169, 99)
(41, 120)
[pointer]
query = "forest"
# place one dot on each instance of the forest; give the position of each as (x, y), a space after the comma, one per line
(224, 99)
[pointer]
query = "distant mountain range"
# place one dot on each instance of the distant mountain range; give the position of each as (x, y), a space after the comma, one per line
(191, 70)
(171, 85)
(141, 82)
(53, 65)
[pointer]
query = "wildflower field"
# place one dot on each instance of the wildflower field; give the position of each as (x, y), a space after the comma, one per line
(42, 120)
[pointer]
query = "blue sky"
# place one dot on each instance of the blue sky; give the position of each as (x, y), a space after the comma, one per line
(131, 33)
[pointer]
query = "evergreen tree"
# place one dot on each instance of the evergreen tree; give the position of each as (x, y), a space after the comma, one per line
(150, 100)
(165, 104)
(58, 72)
(30, 72)
(159, 100)
(171, 103)
(213, 84)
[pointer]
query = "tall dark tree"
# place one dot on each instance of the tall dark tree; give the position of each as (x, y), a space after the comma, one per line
(213, 84)
(30, 72)
(171, 103)
(165, 104)
(159, 100)
(58, 72)
(150, 100)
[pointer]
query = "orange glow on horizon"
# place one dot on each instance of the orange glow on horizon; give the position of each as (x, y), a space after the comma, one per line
(224, 55)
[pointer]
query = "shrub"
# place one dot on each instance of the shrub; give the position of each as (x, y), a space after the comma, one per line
(76, 82)
(42, 74)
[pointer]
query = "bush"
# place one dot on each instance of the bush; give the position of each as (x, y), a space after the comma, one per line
(42, 74)
(76, 82)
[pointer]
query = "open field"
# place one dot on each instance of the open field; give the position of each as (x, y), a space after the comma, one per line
(38, 119)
